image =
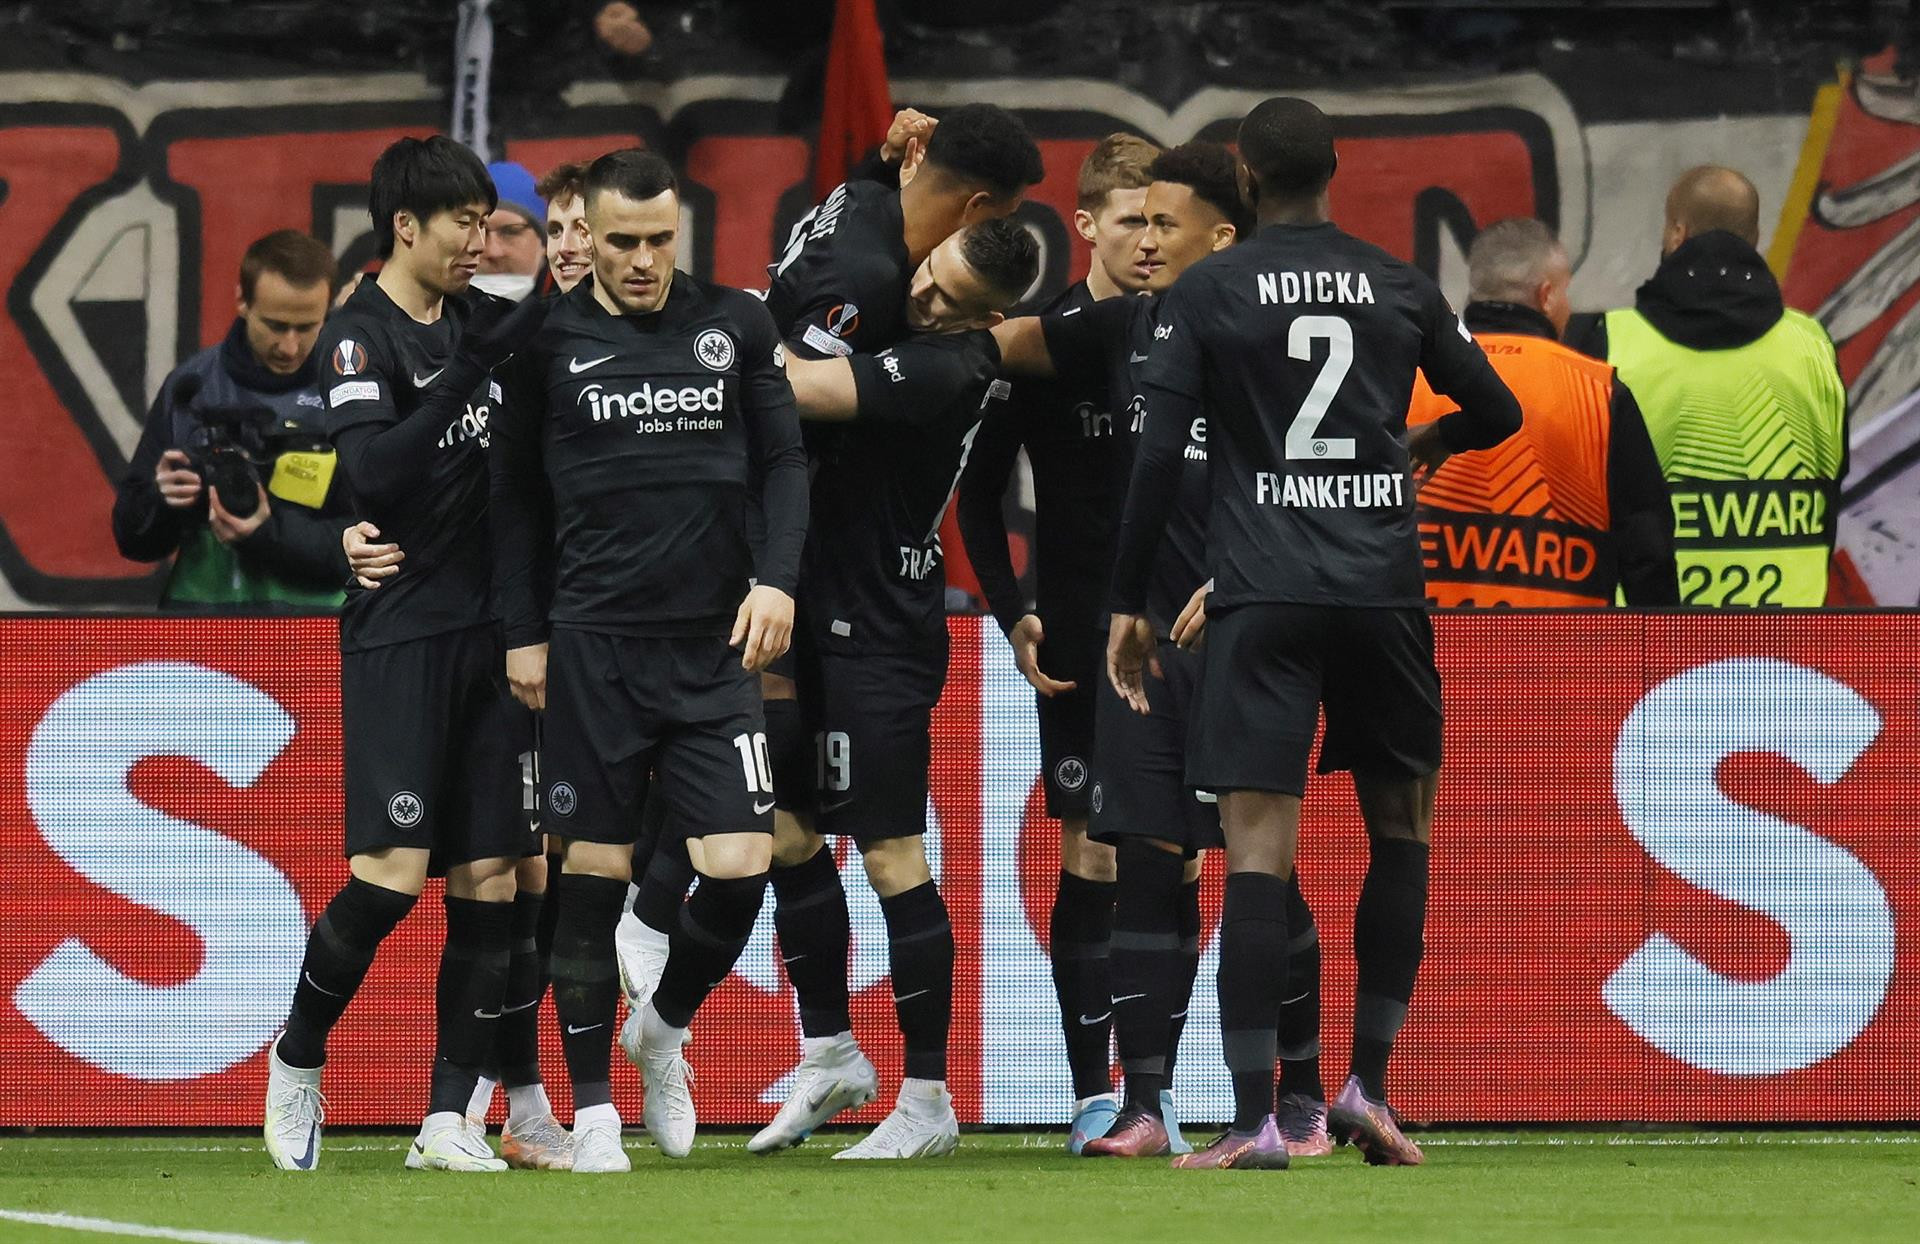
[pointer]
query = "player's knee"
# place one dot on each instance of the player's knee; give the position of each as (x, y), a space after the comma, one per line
(777, 687)
(896, 865)
(1083, 857)
(794, 842)
(599, 859)
(1190, 871)
(530, 875)
(729, 857)
(1397, 807)
(401, 869)
(485, 881)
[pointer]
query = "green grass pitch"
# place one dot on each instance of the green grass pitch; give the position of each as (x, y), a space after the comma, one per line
(1000, 1188)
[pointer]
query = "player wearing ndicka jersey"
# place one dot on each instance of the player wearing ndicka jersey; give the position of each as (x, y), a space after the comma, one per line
(1300, 346)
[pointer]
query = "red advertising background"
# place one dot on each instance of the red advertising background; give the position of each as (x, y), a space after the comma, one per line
(1675, 878)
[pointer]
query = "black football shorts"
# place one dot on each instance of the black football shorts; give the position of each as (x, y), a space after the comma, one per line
(1140, 762)
(875, 741)
(1071, 654)
(633, 720)
(432, 741)
(1270, 668)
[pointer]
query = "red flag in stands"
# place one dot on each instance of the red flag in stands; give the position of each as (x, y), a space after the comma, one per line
(858, 106)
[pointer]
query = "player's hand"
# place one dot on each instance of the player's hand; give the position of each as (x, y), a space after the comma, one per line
(1190, 628)
(226, 528)
(527, 675)
(1427, 452)
(178, 482)
(499, 327)
(1130, 657)
(908, 124)
(1026, 637)
(368, 561)
(764, 625)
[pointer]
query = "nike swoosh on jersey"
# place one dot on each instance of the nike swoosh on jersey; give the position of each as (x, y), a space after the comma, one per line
(1090, 1020)
(908, 997)
(421, 382)
(574, 1032)
(1136, 358)
(761, 809)
(576, 366)
(480, 1014)
(1127, 998)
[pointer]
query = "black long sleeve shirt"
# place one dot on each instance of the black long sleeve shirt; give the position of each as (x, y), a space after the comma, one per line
(648, 439)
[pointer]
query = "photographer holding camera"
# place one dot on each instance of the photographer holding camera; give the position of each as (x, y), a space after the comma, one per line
(234, 471)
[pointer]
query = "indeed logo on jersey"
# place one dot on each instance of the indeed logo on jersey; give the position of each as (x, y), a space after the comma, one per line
(1373, 490)
(648, 401)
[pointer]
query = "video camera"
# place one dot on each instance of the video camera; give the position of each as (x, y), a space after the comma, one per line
(232, 445)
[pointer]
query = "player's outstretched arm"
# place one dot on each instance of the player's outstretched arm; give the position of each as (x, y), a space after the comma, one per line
(823, 389)
(1023, 347)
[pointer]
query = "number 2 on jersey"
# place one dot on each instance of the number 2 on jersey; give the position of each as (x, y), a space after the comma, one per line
(1338, 334)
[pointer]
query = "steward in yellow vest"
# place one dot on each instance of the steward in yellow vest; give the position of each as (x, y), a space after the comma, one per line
(1744, 401)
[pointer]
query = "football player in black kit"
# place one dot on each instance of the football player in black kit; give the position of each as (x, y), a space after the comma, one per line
(1299, 348)
(1068, 435)
(653, 411)
(860, 271)
(430, 731)
(872, 657)
(1141, 802)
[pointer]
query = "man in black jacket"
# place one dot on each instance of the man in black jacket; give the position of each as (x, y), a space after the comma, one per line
(283, 552)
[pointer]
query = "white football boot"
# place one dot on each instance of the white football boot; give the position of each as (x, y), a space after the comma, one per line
(446, 1143)
(295, 1111)
(832, 1077)
(922, 1125)
(642, 955)
(597, 1149)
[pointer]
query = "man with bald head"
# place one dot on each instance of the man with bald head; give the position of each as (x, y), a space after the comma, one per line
(1743, 399)
(1571, 511)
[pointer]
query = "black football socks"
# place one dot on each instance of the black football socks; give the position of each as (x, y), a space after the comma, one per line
(1078, 934)
(920, 958)
(1389, 926)
(586, 981)
(469, 995)
(340, 949)
(708, 935)
(1253, 951)
(810, 916)
(1146, 965)
(1299, 1029)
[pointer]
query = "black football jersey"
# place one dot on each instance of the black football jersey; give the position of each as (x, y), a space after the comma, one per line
(1106, 344)
(377, 365)
(652, 437)
(874, 569)
(1069, 429)
(1300, 346)
(840, 287)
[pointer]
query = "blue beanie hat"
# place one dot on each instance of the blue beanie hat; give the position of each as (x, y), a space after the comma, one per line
(515, 186)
